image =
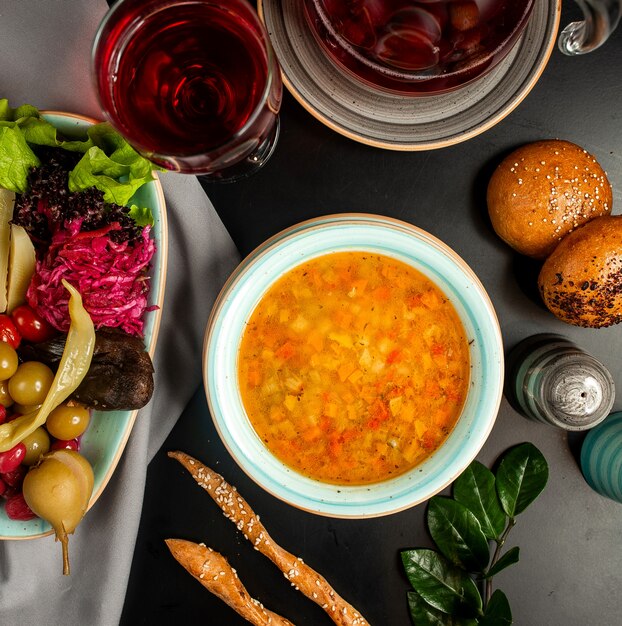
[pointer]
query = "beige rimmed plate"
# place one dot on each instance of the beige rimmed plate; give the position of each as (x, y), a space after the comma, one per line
(399, 122)
(108, 432)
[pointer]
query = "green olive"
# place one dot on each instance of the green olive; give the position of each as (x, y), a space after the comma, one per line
(68, 420)
(24, 410)
(31, 383)
(37, 443)
(8, 360)
(5, 396)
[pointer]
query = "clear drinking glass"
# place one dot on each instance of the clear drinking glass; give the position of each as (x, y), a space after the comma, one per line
(193, 85)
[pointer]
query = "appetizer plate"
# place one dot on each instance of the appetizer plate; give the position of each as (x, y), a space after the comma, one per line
(105, 439)
(396, 122)
(375, 234)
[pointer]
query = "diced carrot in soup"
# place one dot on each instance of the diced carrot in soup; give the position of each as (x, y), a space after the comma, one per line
(351, 387)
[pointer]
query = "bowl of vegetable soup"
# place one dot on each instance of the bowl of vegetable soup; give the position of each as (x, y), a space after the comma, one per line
(353, 365)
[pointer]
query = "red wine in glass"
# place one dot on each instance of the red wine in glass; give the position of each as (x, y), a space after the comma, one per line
(417, 47)
(191, 84)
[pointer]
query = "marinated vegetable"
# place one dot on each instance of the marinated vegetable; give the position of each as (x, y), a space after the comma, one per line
(59, 490)
(75, 254)
(31, 383)
(120, 375)
(32, 326)
(73, 367)
(37, 444)
(69, 420)
(8, 360)
(9, 332)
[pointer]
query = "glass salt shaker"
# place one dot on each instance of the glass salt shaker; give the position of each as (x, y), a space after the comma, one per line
(551, 380)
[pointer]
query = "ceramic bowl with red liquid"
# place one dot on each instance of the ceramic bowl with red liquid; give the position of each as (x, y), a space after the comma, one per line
(417, 47)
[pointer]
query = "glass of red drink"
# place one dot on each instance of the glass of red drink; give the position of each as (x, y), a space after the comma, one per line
(417, 47)
(193, 85)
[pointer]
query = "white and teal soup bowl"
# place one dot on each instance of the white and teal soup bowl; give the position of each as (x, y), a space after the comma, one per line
(340, 233)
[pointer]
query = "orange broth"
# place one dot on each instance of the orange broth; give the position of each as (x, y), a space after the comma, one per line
(353, 368)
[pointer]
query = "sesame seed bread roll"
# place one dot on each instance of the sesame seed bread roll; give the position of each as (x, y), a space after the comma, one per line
(581, 282)
(213, 571)
(543, 191)
(301, 576)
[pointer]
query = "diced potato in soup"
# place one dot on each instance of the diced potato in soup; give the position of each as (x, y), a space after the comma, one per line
(353, 368)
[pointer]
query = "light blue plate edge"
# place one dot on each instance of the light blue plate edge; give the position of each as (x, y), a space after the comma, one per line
(108, 431)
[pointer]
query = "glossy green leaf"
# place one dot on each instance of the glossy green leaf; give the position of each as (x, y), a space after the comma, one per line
(440, 583)
(425, 615)
(509, 558)
(521, 477)
(498, 612)
(475, 488)
(458, 534)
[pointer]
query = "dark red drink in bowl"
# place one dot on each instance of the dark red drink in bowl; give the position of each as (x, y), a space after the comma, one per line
(417, 47)
(191, 84)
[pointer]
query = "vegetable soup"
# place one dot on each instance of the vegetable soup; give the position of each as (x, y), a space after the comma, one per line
(353, 368)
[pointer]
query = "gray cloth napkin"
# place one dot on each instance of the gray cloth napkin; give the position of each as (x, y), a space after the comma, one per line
(44, 60)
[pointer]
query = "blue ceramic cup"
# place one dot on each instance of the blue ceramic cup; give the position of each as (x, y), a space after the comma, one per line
(601, 457)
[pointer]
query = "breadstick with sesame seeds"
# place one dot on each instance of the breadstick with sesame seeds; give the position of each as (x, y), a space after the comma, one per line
(213, 571)
(300, 575)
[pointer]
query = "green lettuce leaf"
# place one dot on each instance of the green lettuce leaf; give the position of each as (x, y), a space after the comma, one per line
(16, 159)
(142, 215)
(40, 132)
(112, 166)
(37, 130)
(109, 163)
(7, 114)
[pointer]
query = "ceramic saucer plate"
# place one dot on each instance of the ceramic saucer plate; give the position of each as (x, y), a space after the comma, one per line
(399, 122)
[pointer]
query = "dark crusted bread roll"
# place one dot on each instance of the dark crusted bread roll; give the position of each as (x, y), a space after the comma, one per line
(581, 282)
(543, 191)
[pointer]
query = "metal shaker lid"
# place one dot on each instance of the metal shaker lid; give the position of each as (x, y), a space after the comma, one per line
(579, 392)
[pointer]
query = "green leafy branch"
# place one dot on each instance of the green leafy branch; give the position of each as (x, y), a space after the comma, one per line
(483, 510)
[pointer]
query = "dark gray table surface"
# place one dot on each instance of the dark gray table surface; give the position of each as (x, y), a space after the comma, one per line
(570, 572)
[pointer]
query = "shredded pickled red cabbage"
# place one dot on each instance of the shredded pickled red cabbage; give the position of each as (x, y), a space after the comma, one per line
(112, 278)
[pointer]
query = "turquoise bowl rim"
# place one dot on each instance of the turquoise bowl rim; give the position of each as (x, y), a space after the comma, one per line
(108, 432)
(295, 245)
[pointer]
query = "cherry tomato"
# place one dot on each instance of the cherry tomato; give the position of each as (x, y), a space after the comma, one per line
(10, 459)
(15, 478)
(31, 325)
(71, 444)
(9, 332)
(17, 509)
